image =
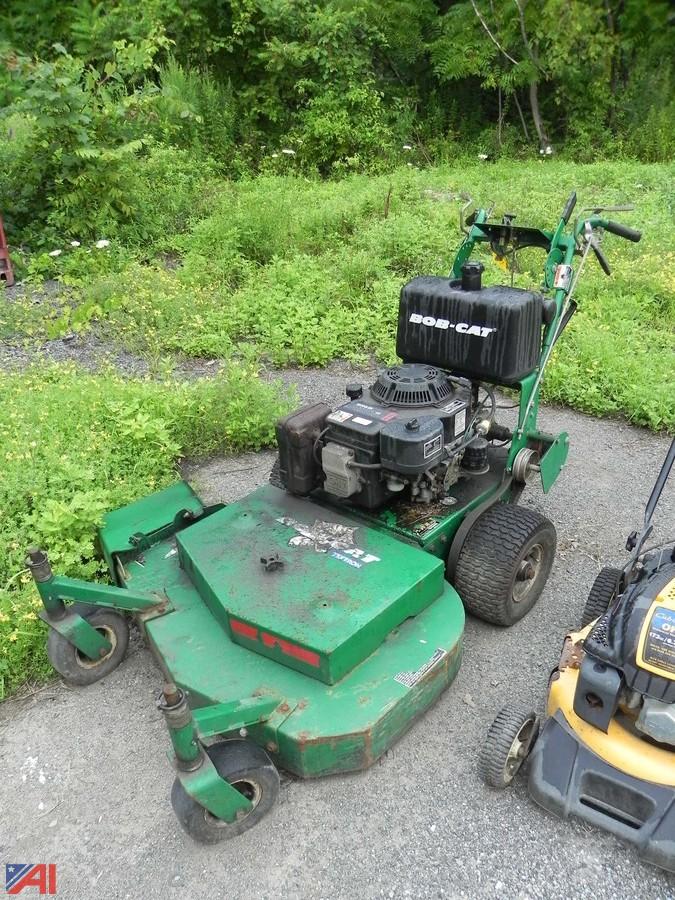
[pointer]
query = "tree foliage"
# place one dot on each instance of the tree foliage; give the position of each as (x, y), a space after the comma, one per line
(325, 86)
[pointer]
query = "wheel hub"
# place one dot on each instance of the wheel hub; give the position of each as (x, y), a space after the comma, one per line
(519, 749)
(253, 793)
(110, 636)
(527, 572)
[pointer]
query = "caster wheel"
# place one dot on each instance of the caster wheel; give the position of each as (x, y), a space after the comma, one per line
(76, 668)
(504, 563)
(507, 745)
(247, 768)
(601, 595)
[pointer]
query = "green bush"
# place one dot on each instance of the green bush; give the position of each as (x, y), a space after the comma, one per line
(81, 158)
(74, 158)
(75, 445)
(345, 131)
(196, 112)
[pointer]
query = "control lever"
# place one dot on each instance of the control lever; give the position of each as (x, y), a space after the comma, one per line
(596, 210)
(600, 256)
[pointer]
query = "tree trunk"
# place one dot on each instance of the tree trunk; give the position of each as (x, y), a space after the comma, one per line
(544, 141)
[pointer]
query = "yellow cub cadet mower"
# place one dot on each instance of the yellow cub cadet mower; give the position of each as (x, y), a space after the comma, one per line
(607, 750)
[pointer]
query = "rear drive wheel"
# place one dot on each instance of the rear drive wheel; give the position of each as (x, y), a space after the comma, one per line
(505, 562)
(247, 768)
(76, 668)
(601, 595)
(509, 741)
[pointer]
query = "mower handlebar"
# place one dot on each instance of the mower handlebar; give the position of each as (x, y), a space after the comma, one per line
(630, 234)
(569, 207)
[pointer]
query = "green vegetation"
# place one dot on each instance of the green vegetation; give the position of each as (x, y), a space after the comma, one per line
(292, 271)
(89, 91)
(75, 445)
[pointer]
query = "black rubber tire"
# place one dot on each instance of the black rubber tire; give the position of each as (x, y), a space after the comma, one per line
(73, 666)
(500, 760)
(241, 763)
(601, 594)
(275, 475)
(493, 556)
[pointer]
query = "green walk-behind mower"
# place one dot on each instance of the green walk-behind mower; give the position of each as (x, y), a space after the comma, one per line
(309, 624)
(607, 751)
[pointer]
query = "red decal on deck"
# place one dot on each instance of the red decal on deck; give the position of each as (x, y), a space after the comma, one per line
(248, 631)
(294, 650)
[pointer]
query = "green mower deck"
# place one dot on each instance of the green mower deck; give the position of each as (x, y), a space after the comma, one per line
(326, 651)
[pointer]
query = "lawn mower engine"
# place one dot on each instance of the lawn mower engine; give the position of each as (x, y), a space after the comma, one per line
(629, 659)
(421, 425)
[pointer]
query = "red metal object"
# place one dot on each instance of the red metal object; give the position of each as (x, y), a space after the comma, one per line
(6, 271)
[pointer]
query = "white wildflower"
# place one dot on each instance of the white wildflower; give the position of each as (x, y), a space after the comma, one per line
(549, 150)
(275, 155)
(288, 151)
(56, 252)
(407, 146)
(483, 156)
(100, 245)
(74, 243)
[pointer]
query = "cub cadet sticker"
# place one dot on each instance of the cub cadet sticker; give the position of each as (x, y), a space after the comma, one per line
(410, 679)
(329, 537)
(460, 327)
(658, 650)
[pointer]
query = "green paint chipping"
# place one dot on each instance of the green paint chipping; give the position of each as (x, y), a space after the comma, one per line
(341, 588)
(318, 729)
(140, 524)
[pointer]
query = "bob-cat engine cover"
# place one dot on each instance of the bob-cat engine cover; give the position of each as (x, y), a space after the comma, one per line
(492, 333)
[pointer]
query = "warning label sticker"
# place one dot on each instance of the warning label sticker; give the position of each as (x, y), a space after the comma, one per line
(410, 679)
(658, 649)
(460, 422)
(433, 446)
(339, 416)
(358, 420)
(454, 405)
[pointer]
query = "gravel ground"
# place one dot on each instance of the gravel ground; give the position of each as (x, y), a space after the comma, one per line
(92, 353)
(85, 782)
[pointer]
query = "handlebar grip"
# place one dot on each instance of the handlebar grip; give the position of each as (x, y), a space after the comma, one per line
(602, 259)
(631, 234)
(569, 207)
